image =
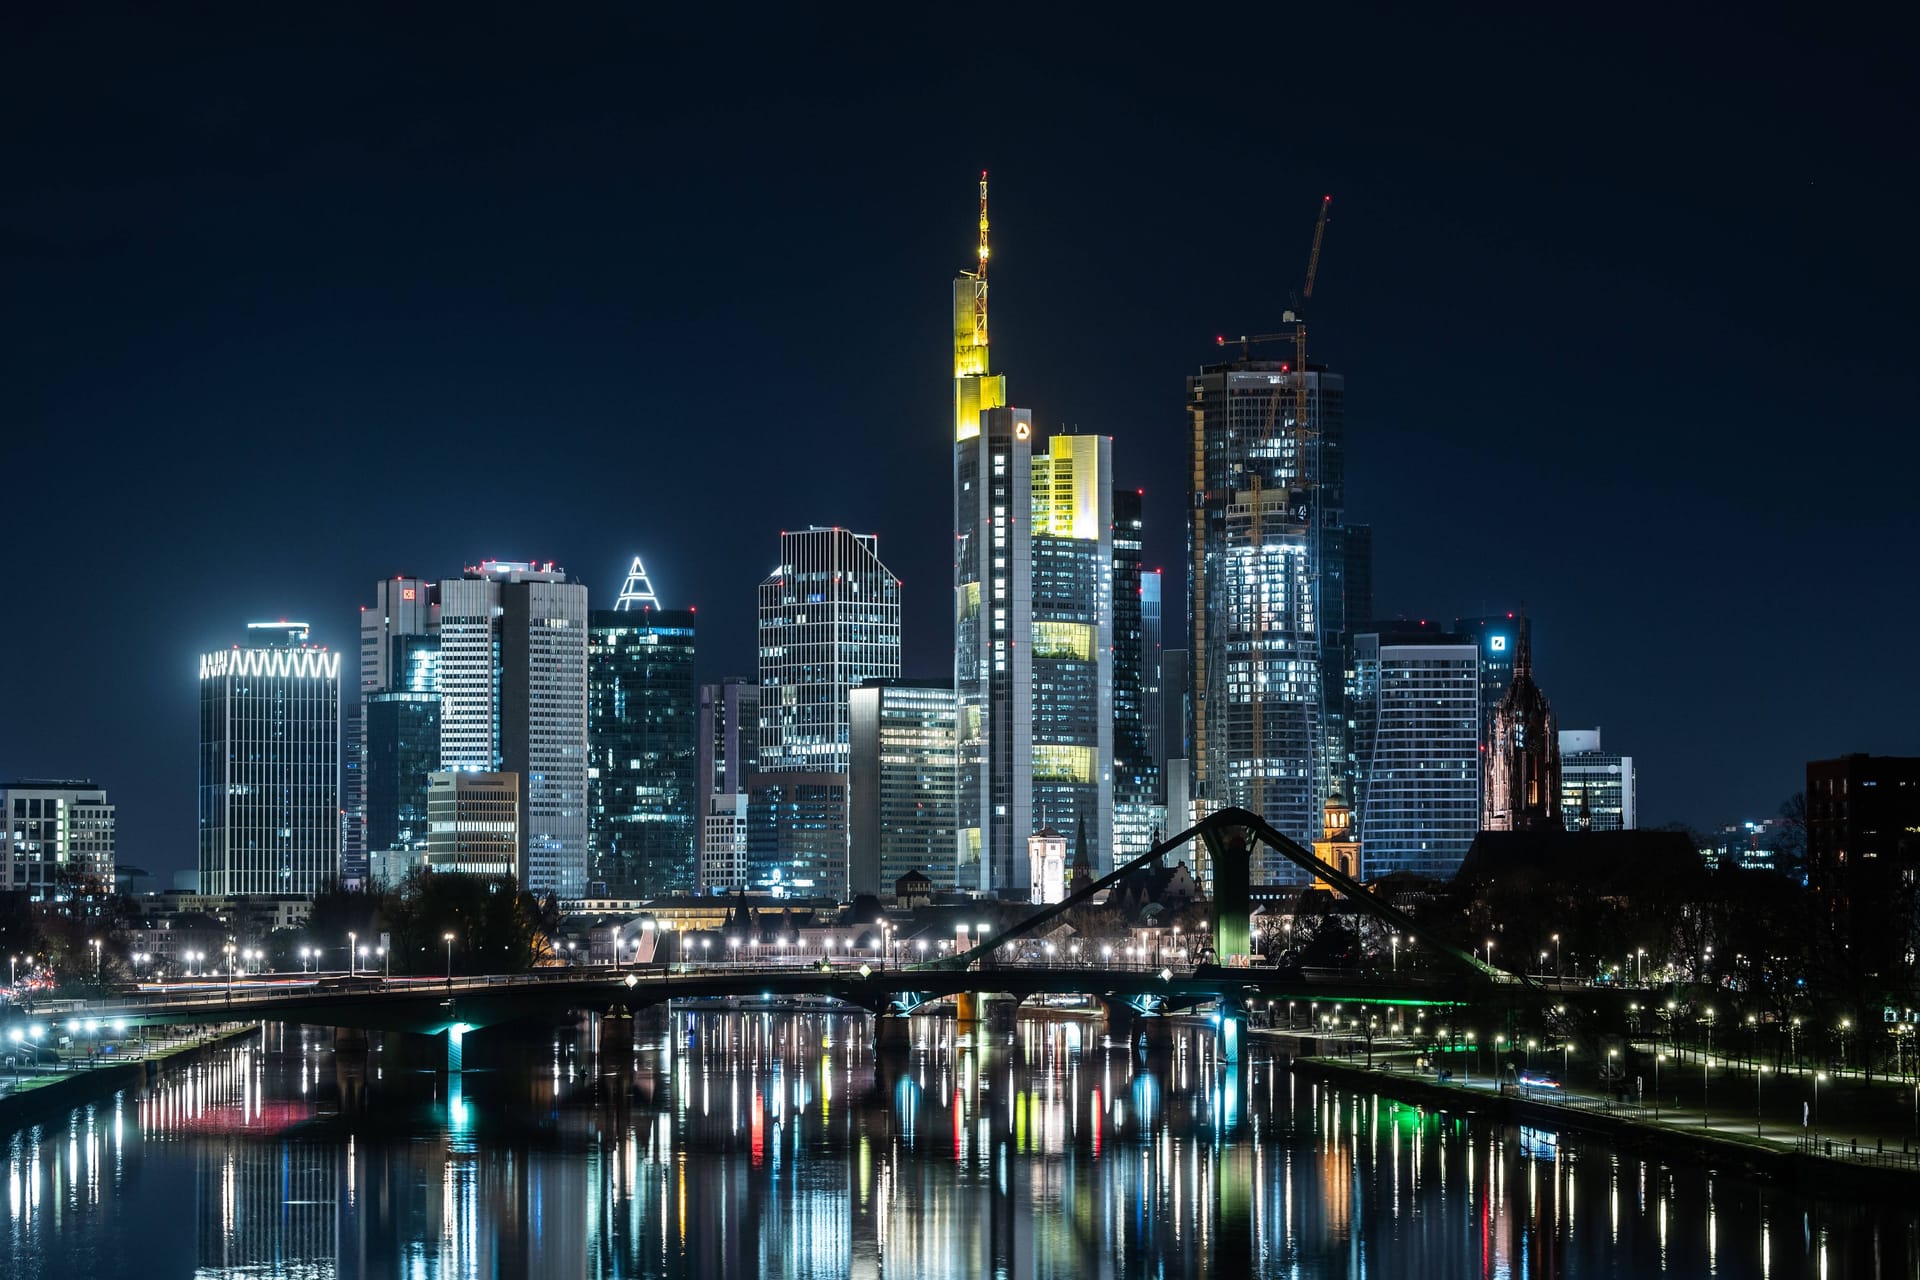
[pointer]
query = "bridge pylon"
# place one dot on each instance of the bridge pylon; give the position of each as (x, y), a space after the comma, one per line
(1230, 850)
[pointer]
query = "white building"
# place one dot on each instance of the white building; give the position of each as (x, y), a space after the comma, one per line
(269, 765)
(513, 698)
(723, 843)
(1416, 711)
(473, 823)
(1046, 866)
(59, 839)
(1596, 786)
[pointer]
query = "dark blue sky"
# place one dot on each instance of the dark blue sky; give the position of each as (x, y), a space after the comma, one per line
(295, 297)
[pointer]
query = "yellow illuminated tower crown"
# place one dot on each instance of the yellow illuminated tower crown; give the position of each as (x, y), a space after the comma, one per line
(974, 388)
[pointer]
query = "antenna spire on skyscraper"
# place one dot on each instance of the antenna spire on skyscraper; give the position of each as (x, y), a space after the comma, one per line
(637, 593)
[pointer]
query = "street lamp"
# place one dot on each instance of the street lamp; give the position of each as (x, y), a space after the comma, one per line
(1759, 1071)
(1395, 942)
(386, 961)
(1658, 1058)
(1556, 955)
(448, 939)
(96, 959)
(1818, 1076)
(352, 938)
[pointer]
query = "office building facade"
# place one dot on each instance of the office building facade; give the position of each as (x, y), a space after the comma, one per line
(1597, 787)
(402, 750)
(405, 613)
(644, 798)
(1268, 594)
(902, 784)
(1073, 610)
(1415, 706)
(1863, 863)
(59, 839)
(829, 619)
(543, 726)
(473, 825)
(1138, 812)
(992, 583)
(270, 742)
(797, 834)
(727, 751)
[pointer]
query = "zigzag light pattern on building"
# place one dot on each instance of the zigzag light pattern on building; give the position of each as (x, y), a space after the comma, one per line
(311, 663)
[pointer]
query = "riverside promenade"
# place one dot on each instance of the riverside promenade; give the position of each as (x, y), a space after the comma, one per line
(1861, 1139)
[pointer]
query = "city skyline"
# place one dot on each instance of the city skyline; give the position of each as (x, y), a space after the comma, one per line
(301, 328)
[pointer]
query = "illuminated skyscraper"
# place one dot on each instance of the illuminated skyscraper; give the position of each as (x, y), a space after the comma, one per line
(404, 611)
(829, 619)
(1137, 808)
(1072, 611)
(1416, 712)
(1269, 598)
(901, 783)
(641, 730)
(513, 690)
(992, 583)
(269, 764)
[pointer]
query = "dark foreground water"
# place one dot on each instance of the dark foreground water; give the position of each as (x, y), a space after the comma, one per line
(742, 1145)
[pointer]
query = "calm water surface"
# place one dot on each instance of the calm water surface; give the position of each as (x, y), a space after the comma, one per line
(748, 1144)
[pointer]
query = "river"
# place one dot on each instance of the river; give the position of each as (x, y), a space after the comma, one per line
(777, 1144)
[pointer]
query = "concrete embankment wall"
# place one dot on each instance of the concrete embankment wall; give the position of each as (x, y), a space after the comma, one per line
(54, 1101)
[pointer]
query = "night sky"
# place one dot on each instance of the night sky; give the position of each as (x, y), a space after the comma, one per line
(293, 297)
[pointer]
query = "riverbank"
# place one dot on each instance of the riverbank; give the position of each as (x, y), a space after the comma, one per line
(1805, 1166)
(39, 1098)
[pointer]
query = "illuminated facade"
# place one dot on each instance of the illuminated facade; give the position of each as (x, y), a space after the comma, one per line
(1523, 758)
(829, 620)
(473, 824)
(992, 585)
(403, 748)
(993, 654)
(1339, 842)
(1496, 639)
(1047, 866)
(797, 836)
(59, 839)
(1415, 705)
(641, 729)
(901, 783)
(513, 690)
(269, 798)
(1138, 811)
(727, 749)
(1073, 611)
(1272, 594)
(405, 612)
(1597, 787)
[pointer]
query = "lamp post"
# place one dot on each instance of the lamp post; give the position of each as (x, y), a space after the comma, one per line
(1759, 1070)
(96, 959)
(1395, 941)
(353, 940)
(448, 939)
(1793, 1041)
(386, 961)
(1658, 1058)
(1556, 955)
(1818, 1076)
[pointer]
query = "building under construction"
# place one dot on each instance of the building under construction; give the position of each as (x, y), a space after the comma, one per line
(1277, 584)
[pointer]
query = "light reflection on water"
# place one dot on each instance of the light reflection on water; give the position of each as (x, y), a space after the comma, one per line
(751, 1144)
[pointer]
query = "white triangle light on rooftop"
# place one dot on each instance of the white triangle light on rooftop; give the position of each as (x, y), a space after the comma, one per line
(638, 591)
